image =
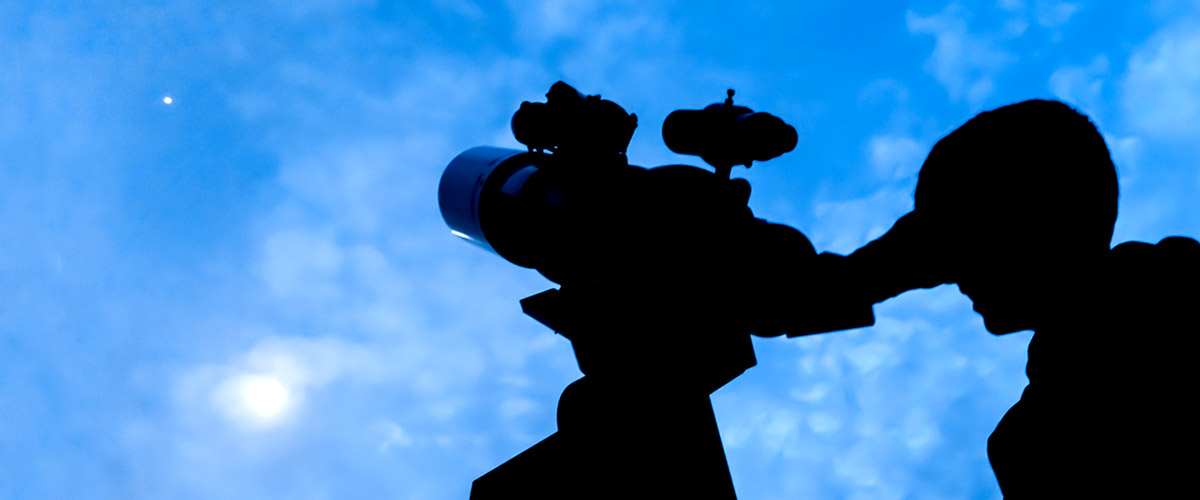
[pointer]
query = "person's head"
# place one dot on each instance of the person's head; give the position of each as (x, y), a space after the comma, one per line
(1023, 198)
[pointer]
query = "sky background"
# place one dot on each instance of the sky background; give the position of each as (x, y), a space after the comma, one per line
(249, 293)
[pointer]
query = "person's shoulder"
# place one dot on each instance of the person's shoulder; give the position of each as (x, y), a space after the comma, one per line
(1171, 248)
(1170, 267)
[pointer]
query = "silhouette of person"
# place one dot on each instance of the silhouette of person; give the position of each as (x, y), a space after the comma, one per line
(1017, 208)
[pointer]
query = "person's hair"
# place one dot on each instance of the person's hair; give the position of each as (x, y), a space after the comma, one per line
(1039, 169)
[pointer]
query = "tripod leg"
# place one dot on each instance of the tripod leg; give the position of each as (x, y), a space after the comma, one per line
(615, 441)
(645, 442)
(540, 472)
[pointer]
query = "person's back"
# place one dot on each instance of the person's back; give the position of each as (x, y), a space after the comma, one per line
(1108, 408)
(1017, 208)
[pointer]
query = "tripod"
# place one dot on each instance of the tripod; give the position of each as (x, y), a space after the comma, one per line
(639, 424)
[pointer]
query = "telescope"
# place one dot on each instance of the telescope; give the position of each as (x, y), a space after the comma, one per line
(663, 274)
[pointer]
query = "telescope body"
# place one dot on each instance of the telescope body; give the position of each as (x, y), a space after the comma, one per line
(663, 272)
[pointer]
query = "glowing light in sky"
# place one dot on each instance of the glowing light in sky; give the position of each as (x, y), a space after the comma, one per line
(168, 100)
(255, 399)
(265, 397)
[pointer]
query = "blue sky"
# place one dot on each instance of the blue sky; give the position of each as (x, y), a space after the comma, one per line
(249, 292)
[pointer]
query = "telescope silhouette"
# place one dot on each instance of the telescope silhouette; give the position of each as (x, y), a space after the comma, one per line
(663, 274)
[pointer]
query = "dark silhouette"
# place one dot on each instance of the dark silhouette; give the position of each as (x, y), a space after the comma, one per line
(665, 273)
(1017, 208)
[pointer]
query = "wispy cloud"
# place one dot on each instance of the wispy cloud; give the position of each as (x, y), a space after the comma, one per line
(1047, 14)
(895, 156)
(1160, 91)
(964, 61)
(277, 375)
(900, 415)
(1082, 86)
(1053, 14)
(845, 225)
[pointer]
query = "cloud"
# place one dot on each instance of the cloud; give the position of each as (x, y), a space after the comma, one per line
(968, 59)
(1011, 5)
(394, 436)
(1051, 14)
(1047, 14)
(315, 362)
(604, 45)
(895, 156)
(845, 225)
(466, 8)
(276, 375)
(884, 91)
(310, 8)
(1082, 86)
(414, 328)
(302, 263)
(921, 390)
(1126, 154)
(554, 19)
(965, 63)
(1160, 91)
